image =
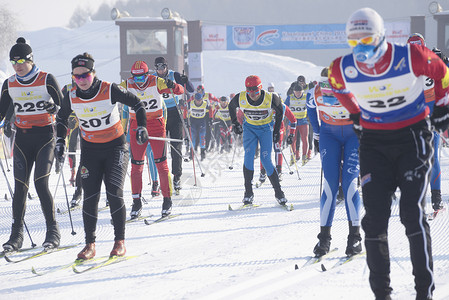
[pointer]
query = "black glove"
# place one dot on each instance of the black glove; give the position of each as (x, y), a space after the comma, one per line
(290, 139)
(183, 79)
(170, 84)
(440, 118)
(276, 137)
(316, 141)
(141, 135)
(7, 129)
(355, 118)
(237, 128)
(59, 150)
(50, 107)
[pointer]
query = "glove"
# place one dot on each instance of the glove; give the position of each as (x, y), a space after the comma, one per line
(276, 137)
(290, 139)
(184, 79)
(440, 118)
(237, 128)
(355, 118)
(316, 141)
(141, 135)
(7, 129)
(170, 84)
(50, 107)
(59, 150)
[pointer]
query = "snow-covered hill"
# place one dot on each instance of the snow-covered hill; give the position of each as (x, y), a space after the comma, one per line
(208, 252)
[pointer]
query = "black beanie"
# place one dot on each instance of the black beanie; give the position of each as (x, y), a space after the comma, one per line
(160, 60)
(83, 60)
(21, 50)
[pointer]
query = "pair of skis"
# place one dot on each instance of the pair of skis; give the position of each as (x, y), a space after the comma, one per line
(314, 260)
(252, 206)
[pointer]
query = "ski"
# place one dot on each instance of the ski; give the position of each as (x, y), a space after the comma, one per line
(77, 262)
(244, 207)
(316, 259)
(39, 254)
(11, 253)
(150, 222)
(287, 207)
(63, 212)
(139, 218)
(431, 216)
(107, 261)
(342, 261)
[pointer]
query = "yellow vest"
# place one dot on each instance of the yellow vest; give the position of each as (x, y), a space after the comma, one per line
(298, 106)
(198, 112)
(256, 115)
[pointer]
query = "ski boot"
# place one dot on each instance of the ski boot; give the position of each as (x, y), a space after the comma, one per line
(248, 199)
(118, 249)
(309, 155)
(76, 199)
(279, 169)
(324, 242)
(136, 208)
(437, 203)
(155, 190)
(88, 252)
(166, 207)
(262, 176)
(304, 160)
(354, 245)
(52, 237)
(177, 183)
(15, 239)
(203, 154)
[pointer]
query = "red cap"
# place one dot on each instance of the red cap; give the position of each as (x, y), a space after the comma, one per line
(253, 80)
(139, 68)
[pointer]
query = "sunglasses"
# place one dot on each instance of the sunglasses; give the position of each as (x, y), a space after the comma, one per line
(19, 61)
(140, 78)
(252, 88)
(82, 76)
(160, 66)
(364, 40)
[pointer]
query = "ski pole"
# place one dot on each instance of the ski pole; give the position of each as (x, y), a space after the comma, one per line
(12, 196)
(232, 161)
(286, 162)
(294, 159)
(66, 197)
(321, 181)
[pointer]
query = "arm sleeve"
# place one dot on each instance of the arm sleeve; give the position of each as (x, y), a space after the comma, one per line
(5, 100)
(54, 90)
(427, 63)
(345, 97)
(291, 117)
(119, 95)
(189, 86)
(62, 117)
(233, 104)
(276, 105)
(162, 87)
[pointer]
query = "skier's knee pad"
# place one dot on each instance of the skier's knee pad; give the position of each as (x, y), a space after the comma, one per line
(161, 159)
(137, 162)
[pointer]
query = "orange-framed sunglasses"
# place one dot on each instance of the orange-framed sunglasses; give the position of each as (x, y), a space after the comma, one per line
(364, 40)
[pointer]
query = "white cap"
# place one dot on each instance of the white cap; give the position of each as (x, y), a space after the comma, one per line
(365, 20)
(270, 84)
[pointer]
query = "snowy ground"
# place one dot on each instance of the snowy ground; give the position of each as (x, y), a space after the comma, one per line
(209, 252)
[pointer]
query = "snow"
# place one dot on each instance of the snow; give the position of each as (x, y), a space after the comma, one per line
(208, 252)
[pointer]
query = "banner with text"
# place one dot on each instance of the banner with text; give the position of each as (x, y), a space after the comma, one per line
(287, 37)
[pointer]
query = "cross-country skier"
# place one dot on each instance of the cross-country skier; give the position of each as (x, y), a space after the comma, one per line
(335, 139)
(199, 116)
(174, 122)
(221, 115)
(257, 106)
(104, 153)
(35, 95)
(150, 90)
(381, 85)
